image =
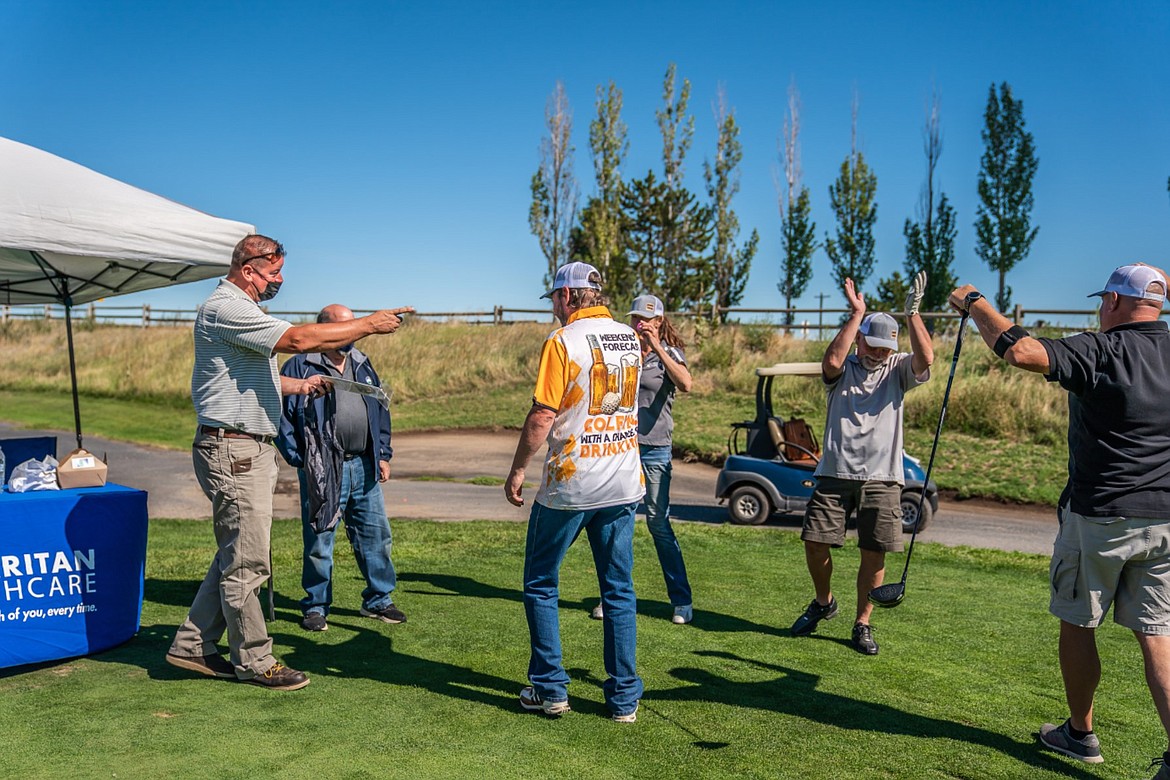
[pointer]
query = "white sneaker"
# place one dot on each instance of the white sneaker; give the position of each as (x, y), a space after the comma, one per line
(629, 717)
(598, 613)
(530, 701)
(683, 614)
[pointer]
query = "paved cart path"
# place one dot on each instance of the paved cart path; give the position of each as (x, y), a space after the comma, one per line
(429, 481)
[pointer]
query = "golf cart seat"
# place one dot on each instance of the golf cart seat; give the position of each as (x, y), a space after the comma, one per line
(794, 440)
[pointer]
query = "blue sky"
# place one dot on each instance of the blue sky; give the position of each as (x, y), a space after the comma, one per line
(390, 145)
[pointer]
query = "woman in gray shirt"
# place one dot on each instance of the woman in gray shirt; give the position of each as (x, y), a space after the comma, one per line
(664, 370)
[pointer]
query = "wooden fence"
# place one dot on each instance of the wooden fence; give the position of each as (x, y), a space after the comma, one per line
(807, 323)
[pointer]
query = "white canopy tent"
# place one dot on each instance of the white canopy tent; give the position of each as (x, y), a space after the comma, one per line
(70, 235)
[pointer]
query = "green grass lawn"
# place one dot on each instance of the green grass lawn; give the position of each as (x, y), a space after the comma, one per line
(966, 673)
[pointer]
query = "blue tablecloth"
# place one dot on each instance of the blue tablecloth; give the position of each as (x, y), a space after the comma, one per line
(72, 571)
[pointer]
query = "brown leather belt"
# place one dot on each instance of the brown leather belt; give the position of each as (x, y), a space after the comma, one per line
(228, 433)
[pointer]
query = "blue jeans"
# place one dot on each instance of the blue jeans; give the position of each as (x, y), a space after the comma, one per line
(656, 468)
(611, 537)
(364, 513)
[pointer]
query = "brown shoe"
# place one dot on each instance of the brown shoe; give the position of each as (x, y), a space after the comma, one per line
(211, 665)
(280, 678)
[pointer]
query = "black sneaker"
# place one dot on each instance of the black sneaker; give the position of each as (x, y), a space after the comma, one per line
(863, 639)
(1059, 739)
(1163, 765)
(816, 612)
(314, 621)
(280, 678)
(387, 614)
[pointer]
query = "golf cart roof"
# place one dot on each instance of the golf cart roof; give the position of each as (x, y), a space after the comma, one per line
(790, 369)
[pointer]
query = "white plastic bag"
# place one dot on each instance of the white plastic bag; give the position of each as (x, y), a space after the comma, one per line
(34, 475)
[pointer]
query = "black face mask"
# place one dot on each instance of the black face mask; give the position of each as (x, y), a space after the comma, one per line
(270, 291)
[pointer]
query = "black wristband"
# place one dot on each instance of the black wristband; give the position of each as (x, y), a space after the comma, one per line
(1008, 338)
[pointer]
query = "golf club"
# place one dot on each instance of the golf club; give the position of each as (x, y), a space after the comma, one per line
(891, 594)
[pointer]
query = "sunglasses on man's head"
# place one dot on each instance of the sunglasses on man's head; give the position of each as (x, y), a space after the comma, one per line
(277, 250)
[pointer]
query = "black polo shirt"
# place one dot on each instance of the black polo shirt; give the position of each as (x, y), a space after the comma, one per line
(1119, 418)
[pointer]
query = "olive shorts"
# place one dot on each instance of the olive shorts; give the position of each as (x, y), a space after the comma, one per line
(1118, 561)
(876, 505)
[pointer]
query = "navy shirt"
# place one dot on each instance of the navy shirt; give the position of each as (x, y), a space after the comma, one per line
(1119, 419)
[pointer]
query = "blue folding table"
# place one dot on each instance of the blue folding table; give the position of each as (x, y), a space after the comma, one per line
(72, 571)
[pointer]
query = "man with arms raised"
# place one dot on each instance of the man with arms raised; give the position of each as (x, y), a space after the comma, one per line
(860, 472)
(236, 390)
(592, 482)
(1113, 546)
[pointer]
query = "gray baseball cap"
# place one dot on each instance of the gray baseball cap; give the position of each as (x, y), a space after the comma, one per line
(880, 330)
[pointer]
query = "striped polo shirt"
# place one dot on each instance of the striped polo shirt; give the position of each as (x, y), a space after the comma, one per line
(235, 383)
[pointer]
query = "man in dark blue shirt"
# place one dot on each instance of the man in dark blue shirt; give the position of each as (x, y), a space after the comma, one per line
(1113, 547)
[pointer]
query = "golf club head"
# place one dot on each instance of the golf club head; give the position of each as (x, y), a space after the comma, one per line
(888, 595)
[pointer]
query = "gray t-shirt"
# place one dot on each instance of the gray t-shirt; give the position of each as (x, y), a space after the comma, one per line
(235, 383)
(863, 428)
(656, 399)
(353, 424)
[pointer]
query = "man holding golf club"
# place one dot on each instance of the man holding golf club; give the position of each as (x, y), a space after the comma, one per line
(860, 472)
(1113, 546)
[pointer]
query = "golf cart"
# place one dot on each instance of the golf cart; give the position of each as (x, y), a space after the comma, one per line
(770, 463)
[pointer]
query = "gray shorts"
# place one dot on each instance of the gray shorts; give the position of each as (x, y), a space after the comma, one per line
(1118, 561)
(877, 506)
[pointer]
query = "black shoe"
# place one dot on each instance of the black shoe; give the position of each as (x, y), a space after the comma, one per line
(1087, 749)
(314, 621)
(211, 665)
(863, 639)
(387, 614)
(816, 612)
(280, 678)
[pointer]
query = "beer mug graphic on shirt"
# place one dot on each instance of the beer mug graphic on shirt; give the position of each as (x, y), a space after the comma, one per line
(598, 376)
(629, 383)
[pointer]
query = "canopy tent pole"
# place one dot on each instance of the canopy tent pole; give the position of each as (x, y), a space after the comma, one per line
(72, 362)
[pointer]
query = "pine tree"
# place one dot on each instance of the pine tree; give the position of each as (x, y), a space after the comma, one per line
(1003, 227)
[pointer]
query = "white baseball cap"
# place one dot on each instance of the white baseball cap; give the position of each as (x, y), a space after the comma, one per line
(880, 330)
(576, 276)
(1134, 281)
(647, 306)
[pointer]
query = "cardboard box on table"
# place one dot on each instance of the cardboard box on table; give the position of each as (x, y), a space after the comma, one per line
(81, 468)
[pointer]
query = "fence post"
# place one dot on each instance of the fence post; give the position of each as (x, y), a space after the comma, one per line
(498, 315)
(1019, 315)
(48, 312)
(146, 315)
(92, 315)
(4, 315)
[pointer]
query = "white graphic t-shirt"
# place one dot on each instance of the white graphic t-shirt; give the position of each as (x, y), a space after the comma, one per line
(589, 375)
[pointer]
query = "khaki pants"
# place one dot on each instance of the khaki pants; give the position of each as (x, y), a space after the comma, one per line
(239, 476)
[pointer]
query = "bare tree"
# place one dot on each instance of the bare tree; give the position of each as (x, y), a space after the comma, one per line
(730, 262)
(554, 188)
(798, 231)
(930, 242)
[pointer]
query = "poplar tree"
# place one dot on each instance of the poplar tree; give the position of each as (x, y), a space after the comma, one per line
(797, 230)
(1003, 227)
(853, 198)
(731, 263)
(554, 189)
(930, 242)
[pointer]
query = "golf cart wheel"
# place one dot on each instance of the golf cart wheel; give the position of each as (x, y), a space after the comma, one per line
(748, 505)
(910, 499)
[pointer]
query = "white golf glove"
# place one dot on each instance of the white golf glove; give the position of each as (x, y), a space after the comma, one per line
(915, 293)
